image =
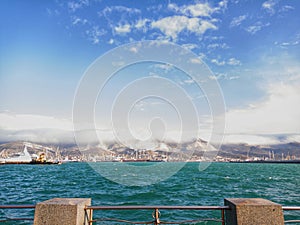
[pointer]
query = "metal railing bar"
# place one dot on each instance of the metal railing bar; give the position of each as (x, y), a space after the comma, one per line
(121, 221)
(223, 216)
(15, 219)
(155, 207)
(145, 207)
(292, 221)
(132, 207)
(17, 206)
(193, 221)
(150, 207)
(161, 222)
(290, 207)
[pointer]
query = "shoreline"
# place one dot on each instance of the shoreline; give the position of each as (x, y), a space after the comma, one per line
(270, 161)
(155, 161)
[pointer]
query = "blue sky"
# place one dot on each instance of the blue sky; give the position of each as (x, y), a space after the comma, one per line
(252, 47)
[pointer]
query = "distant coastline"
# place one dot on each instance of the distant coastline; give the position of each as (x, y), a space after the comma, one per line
(268, 161)
(196, 151)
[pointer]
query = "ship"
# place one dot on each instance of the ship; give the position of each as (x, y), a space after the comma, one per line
(141, 160)
(26, 158)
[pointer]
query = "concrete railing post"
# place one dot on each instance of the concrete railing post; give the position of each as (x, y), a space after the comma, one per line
(62, 211)
(253, 211)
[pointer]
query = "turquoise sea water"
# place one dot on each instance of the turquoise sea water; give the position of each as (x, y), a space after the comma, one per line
(30, 184)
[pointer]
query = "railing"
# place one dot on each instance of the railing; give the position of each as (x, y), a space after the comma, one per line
(291, 208)
(16, 207)
(155, 214)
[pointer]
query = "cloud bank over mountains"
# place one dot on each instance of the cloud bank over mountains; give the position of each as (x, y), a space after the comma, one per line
(272, 120)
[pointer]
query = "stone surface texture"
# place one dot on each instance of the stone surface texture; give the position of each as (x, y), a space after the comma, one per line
(253, 211)
(61, 211)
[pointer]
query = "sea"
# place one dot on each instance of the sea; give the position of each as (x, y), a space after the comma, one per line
(30, 184)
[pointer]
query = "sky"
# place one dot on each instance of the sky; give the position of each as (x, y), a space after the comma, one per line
(252, 49)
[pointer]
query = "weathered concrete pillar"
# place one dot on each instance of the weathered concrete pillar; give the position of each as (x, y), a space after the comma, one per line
(253, 211)
(61, 211)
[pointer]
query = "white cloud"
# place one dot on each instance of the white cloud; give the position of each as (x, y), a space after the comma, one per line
(120, 9)
(221, 75)
(286, 8)
(269, 6)
(155, 8)
(218, 45)
(234, 62)
(134, 49)
(250, 139)
(44, 129)
(122, 29)
(225, 76)
(293, 138)
(173, 25)
(164, 66)
(214, 38)
(95, 33)
(173, 7)
(200, 9)
(205, 25)
(236, 21)
(151, 74)
(256, 27)
(202, 56)
(111, 41)
(283, 68)
(38, 135)
(278, 113)
(234, 77)
(195, 10)
(75, 5)
(141, 24)
(231, 62)
(196, 60)
(213, 77)
(223, 4)
(190, 46)
(12, 121)
(189, 81)
(77, 20)
(217, 62)
(253, 29)
(293, 40)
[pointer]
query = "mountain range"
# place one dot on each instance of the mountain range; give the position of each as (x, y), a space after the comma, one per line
(198, 148)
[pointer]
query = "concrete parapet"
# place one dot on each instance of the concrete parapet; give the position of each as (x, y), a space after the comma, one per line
(253, 211)
(61, 211)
